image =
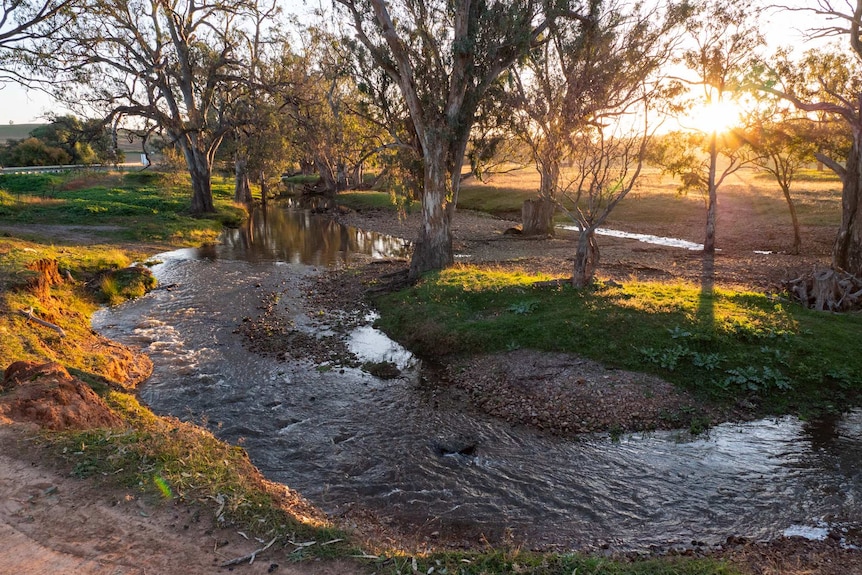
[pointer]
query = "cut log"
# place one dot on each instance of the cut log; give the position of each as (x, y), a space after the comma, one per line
(47, 275)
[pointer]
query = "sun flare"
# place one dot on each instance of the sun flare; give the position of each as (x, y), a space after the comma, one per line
(715, 117)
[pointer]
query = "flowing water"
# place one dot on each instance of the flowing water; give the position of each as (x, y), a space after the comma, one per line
(348, 440)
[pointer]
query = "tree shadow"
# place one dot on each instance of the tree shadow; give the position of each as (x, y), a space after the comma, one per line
(706, 305)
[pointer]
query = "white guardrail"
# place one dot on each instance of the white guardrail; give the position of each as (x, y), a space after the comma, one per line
(50, 169)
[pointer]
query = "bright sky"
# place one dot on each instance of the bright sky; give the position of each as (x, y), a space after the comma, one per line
(21, 106)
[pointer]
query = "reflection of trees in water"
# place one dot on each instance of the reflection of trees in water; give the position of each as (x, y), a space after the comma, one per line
(297, 236)
(836, 445)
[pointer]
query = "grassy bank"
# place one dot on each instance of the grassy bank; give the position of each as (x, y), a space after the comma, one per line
(725, 346)
(132, 207)
(159, 457)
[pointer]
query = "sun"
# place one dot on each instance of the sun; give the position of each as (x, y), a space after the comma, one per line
(715, 117)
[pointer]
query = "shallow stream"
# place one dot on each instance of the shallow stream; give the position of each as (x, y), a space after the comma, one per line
(349, 441)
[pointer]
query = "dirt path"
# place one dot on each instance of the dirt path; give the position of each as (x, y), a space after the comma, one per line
(52, 523)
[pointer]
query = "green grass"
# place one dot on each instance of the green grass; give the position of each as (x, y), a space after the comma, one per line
(722, 345)
(301, 179)
(493, 199)
(555, 564)
(143, 205)
(367, 199)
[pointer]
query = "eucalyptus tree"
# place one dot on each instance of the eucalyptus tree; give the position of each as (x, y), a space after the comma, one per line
(176, 65)
(331, 129)
(577, 89)
(269, 83)
(616, 94)
(829, 82)
(444, 55)
(24, 24)
(783, 143)
(725, 37)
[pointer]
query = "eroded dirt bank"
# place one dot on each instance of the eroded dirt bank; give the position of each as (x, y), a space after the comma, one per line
(51, 522)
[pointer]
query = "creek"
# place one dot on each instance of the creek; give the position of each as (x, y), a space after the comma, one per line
(351, 442)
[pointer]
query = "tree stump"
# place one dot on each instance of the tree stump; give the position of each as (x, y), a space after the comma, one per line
(47, 275)
(827, 290)
(537, 217)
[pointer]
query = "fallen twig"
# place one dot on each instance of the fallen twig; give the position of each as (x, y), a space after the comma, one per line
(30, 315)
(250, 557)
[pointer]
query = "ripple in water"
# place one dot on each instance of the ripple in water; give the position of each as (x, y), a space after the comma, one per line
(344, 437)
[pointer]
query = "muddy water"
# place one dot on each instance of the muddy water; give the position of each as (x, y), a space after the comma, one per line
(349, 441)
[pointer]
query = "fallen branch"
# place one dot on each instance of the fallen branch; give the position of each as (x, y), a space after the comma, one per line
(250, 557)
(30, 315)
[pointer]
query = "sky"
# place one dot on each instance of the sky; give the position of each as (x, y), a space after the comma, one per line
(21, 106)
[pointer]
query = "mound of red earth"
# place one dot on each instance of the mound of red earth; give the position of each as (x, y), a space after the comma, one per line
(52, 399)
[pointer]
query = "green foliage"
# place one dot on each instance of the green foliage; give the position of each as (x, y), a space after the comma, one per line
(754, 379)
(33, 152)
(719, 344)
(526, 563)
(29, 183)
(66, 140)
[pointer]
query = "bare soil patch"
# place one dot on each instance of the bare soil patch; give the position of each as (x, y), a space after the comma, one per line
(567, 395)
(51, 522)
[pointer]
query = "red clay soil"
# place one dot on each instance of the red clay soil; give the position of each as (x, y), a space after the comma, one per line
(52, 399)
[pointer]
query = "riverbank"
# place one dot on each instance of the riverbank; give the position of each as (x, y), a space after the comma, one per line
(783, 556)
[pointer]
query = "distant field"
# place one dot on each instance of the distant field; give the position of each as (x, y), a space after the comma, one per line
(22, 131)
(16, 131)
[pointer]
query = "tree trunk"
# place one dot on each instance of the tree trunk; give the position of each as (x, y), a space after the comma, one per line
(242, 189)
(847, 251)
(264, 188)
(330, 185)
(357, 175)
(797, 237)
(200, 171)
(537, 217)
(712, 201)
(433, 249)
(549, 178)
(586, 258)
(342, 182)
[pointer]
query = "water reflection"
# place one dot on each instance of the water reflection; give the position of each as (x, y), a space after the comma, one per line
(301, 237)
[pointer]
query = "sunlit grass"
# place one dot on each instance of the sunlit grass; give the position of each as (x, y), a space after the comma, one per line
(720, 343)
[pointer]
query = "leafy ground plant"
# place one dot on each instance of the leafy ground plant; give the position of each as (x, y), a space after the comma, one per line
(709, 343)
